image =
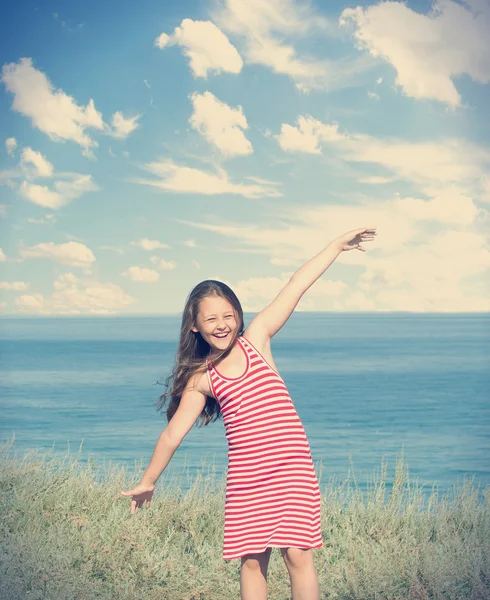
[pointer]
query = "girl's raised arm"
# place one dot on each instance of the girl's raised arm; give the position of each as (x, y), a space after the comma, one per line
(270, 320)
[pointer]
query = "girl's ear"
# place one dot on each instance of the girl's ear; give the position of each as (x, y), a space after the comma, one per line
(194, 329)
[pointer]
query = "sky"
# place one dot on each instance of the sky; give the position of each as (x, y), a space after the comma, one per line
(145, 147)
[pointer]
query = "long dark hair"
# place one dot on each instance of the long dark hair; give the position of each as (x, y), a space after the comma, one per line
(193, 350)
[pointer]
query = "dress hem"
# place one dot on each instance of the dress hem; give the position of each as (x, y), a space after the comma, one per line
(304, 546)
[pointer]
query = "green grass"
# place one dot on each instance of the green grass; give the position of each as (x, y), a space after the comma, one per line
(66, 533)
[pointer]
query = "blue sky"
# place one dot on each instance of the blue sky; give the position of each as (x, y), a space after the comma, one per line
(144, 149)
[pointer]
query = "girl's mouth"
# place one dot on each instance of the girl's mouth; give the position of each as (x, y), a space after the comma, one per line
(220, 336)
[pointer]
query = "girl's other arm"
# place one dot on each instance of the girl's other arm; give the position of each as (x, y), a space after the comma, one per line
(191, 405)
(270, 320)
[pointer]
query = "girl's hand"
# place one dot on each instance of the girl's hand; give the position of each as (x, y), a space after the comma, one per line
(353, 239)
(140, 493)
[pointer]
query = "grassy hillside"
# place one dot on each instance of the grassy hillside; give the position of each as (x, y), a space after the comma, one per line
(66, 533)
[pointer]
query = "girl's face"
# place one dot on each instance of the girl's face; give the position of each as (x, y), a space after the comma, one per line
(216, 322)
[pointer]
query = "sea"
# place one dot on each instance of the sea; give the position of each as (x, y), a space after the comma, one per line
(371, 389)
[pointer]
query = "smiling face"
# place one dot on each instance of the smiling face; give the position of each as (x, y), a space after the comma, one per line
(216, 322)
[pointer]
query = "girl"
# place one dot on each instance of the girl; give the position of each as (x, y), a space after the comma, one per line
(272, 492)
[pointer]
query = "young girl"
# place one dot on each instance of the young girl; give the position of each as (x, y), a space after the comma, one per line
(272, 492)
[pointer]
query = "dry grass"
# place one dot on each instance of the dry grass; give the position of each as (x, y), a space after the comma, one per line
(66, 533)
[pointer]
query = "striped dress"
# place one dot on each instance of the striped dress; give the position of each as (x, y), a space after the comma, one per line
(272, 492)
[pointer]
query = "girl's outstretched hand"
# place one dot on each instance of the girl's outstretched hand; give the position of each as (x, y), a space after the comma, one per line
(140, 493)
(352, 239)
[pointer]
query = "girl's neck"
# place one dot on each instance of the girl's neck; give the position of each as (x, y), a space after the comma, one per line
(212, 354)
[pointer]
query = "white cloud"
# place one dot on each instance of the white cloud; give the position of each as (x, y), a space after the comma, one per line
(256, 293)
(112, 249)
(427, 51)
(3, 258)
(424, 163)
(141, 274)
(30, 303)
(308, 135)
(267, 31)
(375, 180)
(52, 111)
(445, 161)
(55, 113)
(207, 47)
(220, 124)
(447, 205)
(67, 187)
(161, 263)
(41, 195)
(43, 168)
(47, 219)
(63, 192)
(175, 178)
(190, 243)
(75, 185)
(11, 145)
(71, 253)
(122, 127)
(150, 245)
(17, 286)
(429, 255)
(76, 296)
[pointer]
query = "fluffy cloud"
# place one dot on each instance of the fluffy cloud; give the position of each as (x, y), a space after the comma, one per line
(375, 180)
(306, 137)
(67, 186)
(220, 124)
(429, 255)
(175, 178)
(207, 47)
(41, 195)
(54, 112)
(11, 145)
(161, 263)
(64, 191)
(256, 293)
(149, 245)
(76, 296)
(267, 31)
(122, 127)
(3, 258)
(17, 286)
(427, 51)
(43, 168)
(141, 274)
(71, 253)
(449, 161)
(47, 219)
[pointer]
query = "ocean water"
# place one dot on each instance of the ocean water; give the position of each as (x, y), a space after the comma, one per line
(366, 386)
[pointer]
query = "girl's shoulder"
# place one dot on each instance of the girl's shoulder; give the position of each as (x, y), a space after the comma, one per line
(201, 383)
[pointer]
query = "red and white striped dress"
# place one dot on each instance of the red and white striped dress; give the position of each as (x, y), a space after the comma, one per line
(272, 491)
